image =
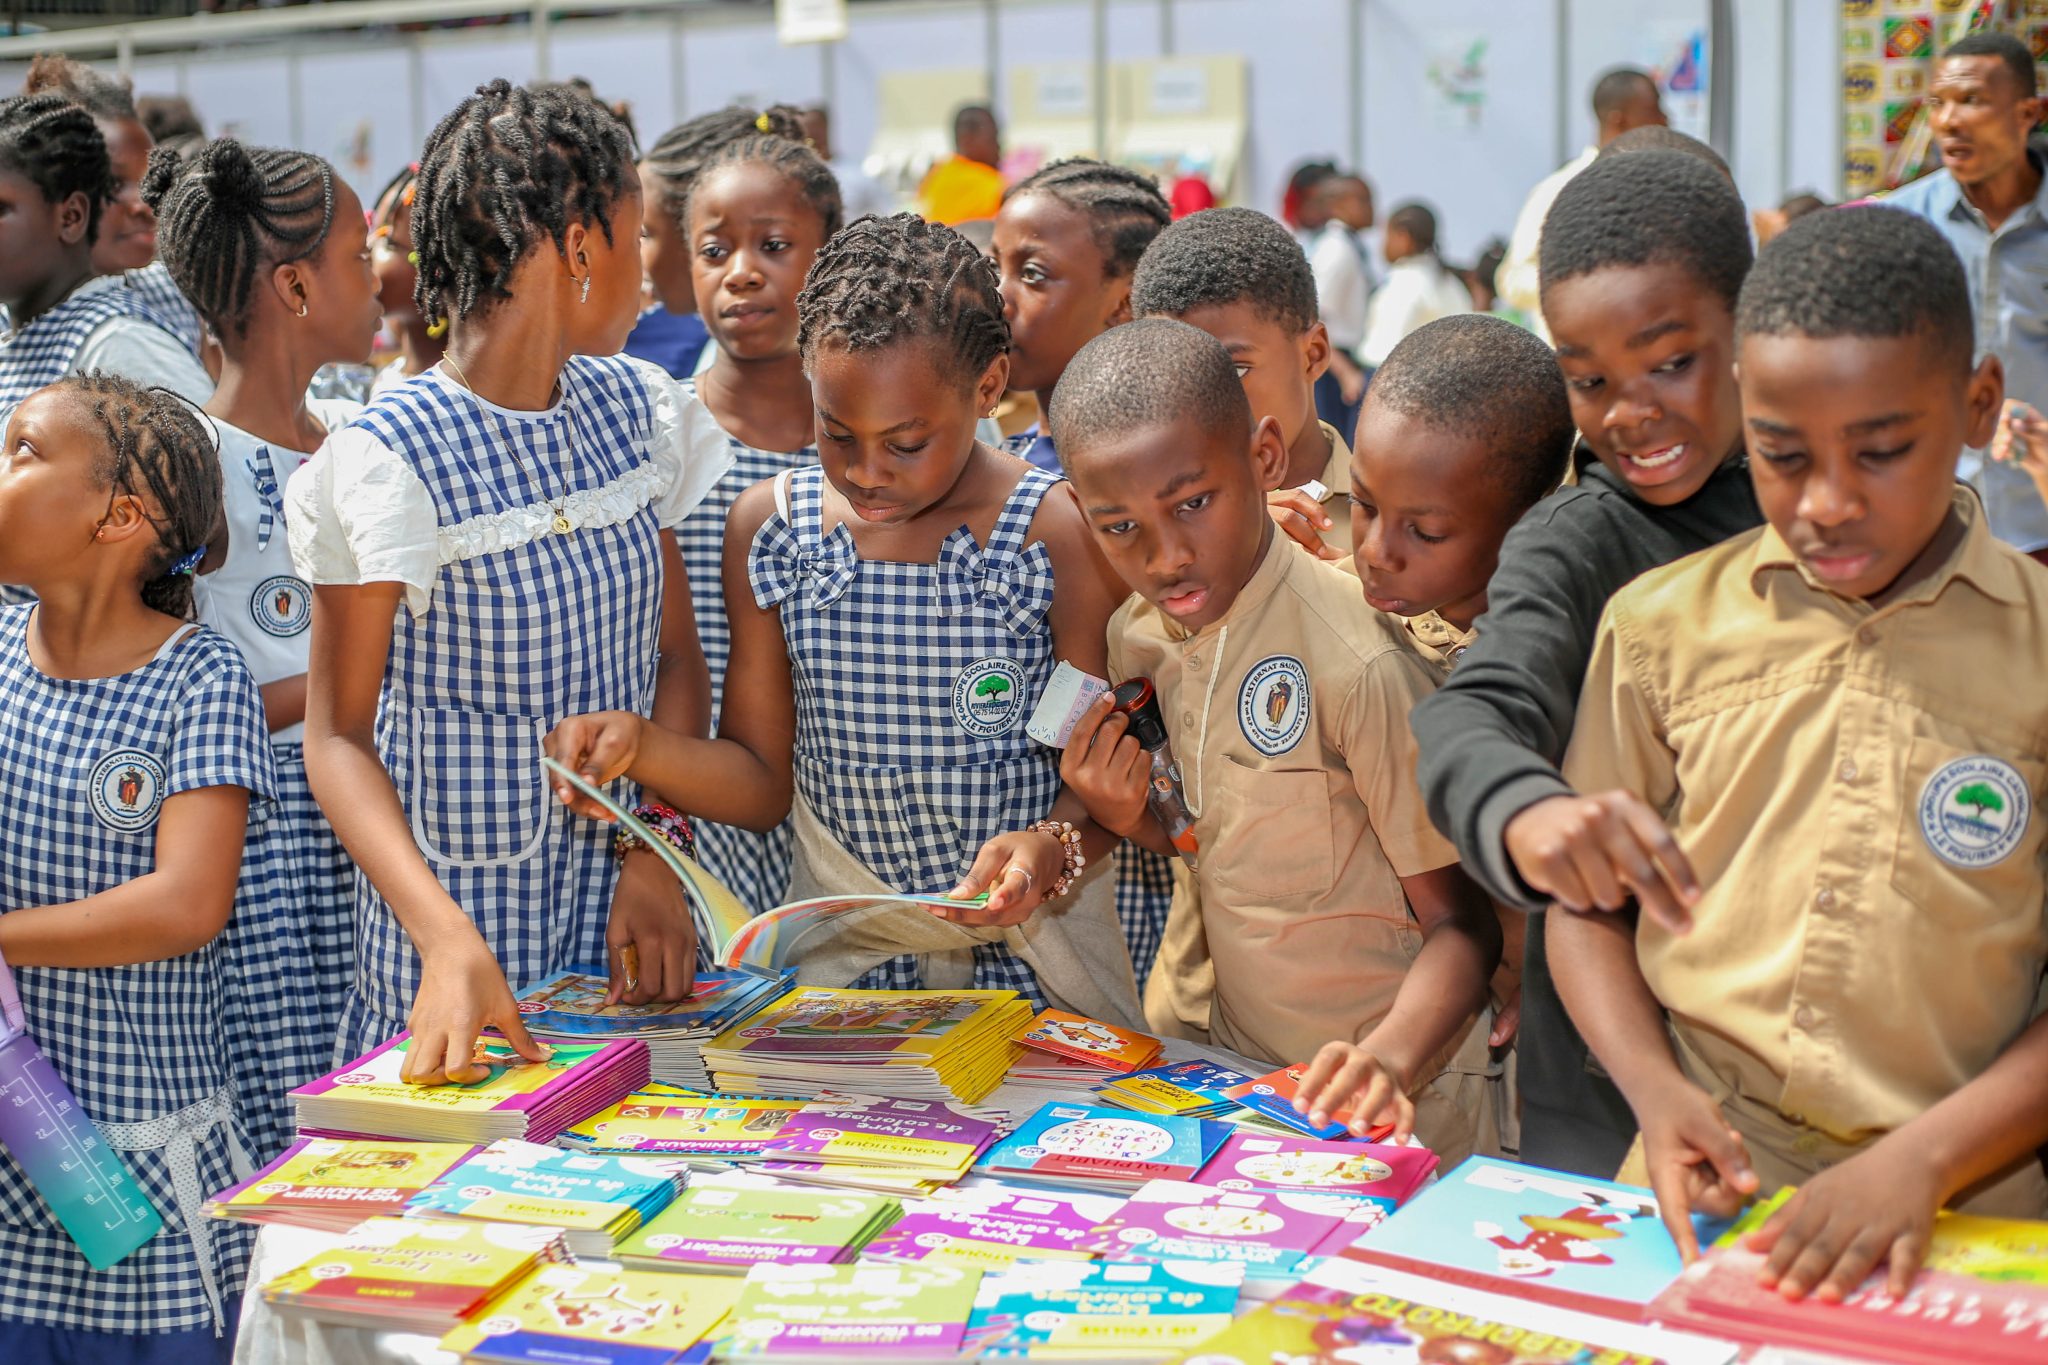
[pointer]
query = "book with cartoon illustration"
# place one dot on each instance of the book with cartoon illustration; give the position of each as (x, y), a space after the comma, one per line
(1091, 1042)
(1385, 1174)
(1122, 1311)
(1272, 1095)
(667, 1120)
(884, 1313)
(413, 1273)
(1589, 1245)
(1089, 1148)
(730, 1227)
(599, 1315)
(332, 1184)
(594, 1199)
(926, 1135)
(1272, 1234)
(1191, 1089)
(990, 1227)
(573, 1002)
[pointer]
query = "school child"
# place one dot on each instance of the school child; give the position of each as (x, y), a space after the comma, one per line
(896, 610)
(132, 760)
(273, 247)
(489, 550)
(1641, 259)
(757, 210)
(1419, 287)
(1332, 909)
(421, 339)
(1804, 712)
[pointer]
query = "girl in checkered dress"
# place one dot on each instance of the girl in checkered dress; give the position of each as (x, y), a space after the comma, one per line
(763, 204)
(272, 244)
(132, 759)
(491, 550)
(895, 612)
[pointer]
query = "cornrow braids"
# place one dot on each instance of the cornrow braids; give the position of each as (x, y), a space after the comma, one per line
(159, 450)
(230, 214)
(884, 280)
(1125, 206)
(508, 167)
(812, 177)
(679, 154)
(58, 147)
(102, 96)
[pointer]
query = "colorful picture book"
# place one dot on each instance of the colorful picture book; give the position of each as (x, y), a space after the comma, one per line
(412, 1274)
(1272, 1095)
(1584, 1244)
(992, 1227)
(929, 1045)
(1102, 1310)
(332, 1184)
(569, 1006)
(1089, 1148)
(923, 1135)
(599, 1315)
(1189, 1090)
(1272, 1234)
(731, 1227)
(666, 1120)
(1385, 1174)
(595, 1200)
(883, 1313)
(1089, 1041)
(778, 939)
(517, 1098)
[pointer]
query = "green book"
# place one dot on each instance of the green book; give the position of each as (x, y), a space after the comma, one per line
(732, 1227)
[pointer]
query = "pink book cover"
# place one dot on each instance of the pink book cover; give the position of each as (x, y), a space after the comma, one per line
(1270, 1233)
(1383, 1173)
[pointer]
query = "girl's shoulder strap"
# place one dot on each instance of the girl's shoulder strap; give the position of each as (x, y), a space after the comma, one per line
(1013, 525)
(800, 501)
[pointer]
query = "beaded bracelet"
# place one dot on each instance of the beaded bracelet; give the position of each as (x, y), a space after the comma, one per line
(1072, 859)
(665, 823)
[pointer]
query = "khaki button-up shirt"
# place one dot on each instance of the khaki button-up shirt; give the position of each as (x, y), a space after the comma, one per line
(1289, 718)
(1858, 788)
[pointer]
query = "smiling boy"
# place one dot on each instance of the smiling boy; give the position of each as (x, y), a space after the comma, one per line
(1836, 715)
(1332, 908)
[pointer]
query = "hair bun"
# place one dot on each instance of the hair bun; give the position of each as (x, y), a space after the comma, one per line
(164, 165)
(230, 176)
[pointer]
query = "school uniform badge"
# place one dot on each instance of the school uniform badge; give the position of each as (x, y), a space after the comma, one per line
(1272, 707)
(282, 606)
(1974, 811)
(988, 697)
(126, 789)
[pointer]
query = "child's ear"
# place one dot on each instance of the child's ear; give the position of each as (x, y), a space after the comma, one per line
(74, 218)
(1315, 351)
(576, 252)
(124, 520)
(289, 284)
(1269, 454)
(990, 388)
(1119, 303)
(1983, 400)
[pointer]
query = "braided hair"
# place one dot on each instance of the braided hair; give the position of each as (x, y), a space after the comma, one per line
(1124, 206)
(102, 96)
(812, 177)
(679, 155)
(232, 213)
(158, 449)
(395, 190)
(58, 147)
(508, 167)
(883, 280)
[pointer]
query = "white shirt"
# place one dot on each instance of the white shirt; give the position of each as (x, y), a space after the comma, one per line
(139, 350)
(1418, 291)
(1342, 285)
(1515, 281)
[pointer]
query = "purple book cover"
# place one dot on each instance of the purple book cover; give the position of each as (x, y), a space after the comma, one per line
(993, 1228)
(1270, 1233)
(886, 1131)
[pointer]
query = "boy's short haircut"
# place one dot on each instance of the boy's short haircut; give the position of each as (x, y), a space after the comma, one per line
(1483, 377)
(1867, 271)
(1223, 256)
(1418, 222)
(2017, 57)
(1656, 137)
(1648, 208)
(1144, 375)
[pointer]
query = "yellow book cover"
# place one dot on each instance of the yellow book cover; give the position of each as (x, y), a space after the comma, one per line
(625, 1310)
(405, 1263)
(653, 1123)
(815, 1023)
(1150, 1095)
(338, 1176)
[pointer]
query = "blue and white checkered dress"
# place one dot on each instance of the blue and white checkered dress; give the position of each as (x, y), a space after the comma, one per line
(85, 765)
(168, 307)
(755, 866)
(525, 629)
(906, 747)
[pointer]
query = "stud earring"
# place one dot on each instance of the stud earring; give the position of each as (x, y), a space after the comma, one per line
(585, 296)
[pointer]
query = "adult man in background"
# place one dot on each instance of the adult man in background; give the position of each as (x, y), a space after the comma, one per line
(966, 186)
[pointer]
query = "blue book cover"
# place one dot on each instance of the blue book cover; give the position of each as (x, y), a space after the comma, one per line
(1074, 1143)
(1078, 1309)
(524, 1182)
(572, 1002)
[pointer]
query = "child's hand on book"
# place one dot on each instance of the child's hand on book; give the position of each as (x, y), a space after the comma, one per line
(1016, 870)
(1878, 1206)
(598, 747)
(1588, 852)
(1106, 768)
(650, 940)
(462, 993)
(1345, 1076)
(1697, 1162)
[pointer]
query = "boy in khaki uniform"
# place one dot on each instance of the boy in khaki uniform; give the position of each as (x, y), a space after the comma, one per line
(1332, 907)
(1839, 717)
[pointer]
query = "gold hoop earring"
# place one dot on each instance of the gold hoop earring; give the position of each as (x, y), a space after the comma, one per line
(437, 329)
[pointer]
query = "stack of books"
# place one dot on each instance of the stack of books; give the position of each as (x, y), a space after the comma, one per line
(708, 1131)
(731, 1227)
(911, 1045)
(1123, 1311)
(517, 1099)
(595, 1200)
(1274, 1235)
(599, 1315)
(569, 1007)
(1188, 1090)
(833, 1314)
(1270, 1100)
(332, 1184)
(1085, 1148)
(1089, 1042)
(994, 1226)
(1387, 1176)
(891, 1146)
(410, 1275)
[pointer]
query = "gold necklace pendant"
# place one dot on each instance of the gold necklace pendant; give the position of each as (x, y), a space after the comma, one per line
(562, 526)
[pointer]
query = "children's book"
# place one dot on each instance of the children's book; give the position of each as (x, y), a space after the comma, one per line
(573, 1002)
(332, 1184)
(925, 1135)
(1385, 1174)
(1272, 1095)
(1271, 1234)
(414, 1274)
(670, 1121)
(1346, 1313)
(594, 1199)
(1995, 1250)
(992, 1227)
(598, 1315)
(883, 1313)
(1193, 1090)
(1584, 1244)
(729, 1227)
(1127, 1311)
(1072, 1144)
(1089, 1041)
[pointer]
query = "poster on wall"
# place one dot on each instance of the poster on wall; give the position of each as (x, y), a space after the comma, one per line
(1677, 55)
(1457, 81)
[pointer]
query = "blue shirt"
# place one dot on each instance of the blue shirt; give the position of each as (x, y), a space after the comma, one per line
(670, 340)
(2008, 273)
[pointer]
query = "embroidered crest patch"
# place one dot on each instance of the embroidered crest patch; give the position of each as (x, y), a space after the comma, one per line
(282, 606)
(1272, 707)
(988, 697)
(1974, 811)
(126, 789)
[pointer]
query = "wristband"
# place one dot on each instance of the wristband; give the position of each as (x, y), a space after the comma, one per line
(665, 823)
(1072, 859)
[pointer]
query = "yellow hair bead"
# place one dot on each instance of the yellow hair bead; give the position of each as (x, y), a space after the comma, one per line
(763, 122)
